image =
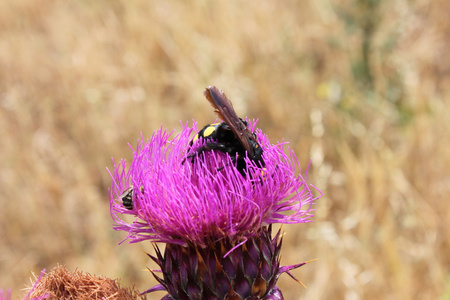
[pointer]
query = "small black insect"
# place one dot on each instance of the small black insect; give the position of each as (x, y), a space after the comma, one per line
(231, 136)
(127, 197)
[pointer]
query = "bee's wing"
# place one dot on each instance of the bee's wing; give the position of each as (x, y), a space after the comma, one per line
(224, 109)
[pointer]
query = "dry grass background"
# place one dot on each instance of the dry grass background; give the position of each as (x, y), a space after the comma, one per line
(360, 86)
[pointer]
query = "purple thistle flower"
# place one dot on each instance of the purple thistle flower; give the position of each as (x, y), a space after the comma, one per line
(207, 199)
(215, 216)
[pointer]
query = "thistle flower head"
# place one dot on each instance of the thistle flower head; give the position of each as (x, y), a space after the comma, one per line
(213, 200)
(179, 200)
(60, 283)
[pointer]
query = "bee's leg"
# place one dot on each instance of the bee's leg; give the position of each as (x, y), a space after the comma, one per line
(233, 161)
(207, 147)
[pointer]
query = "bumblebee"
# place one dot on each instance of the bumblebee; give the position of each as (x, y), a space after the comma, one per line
(127, 197)
(231, 136)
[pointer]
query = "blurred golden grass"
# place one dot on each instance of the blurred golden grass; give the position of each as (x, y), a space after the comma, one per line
(81, 79)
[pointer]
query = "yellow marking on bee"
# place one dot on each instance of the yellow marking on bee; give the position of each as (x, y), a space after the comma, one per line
(208, 131)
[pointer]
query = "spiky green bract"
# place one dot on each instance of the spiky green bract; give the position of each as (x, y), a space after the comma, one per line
(248, 272)
(203, 199)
